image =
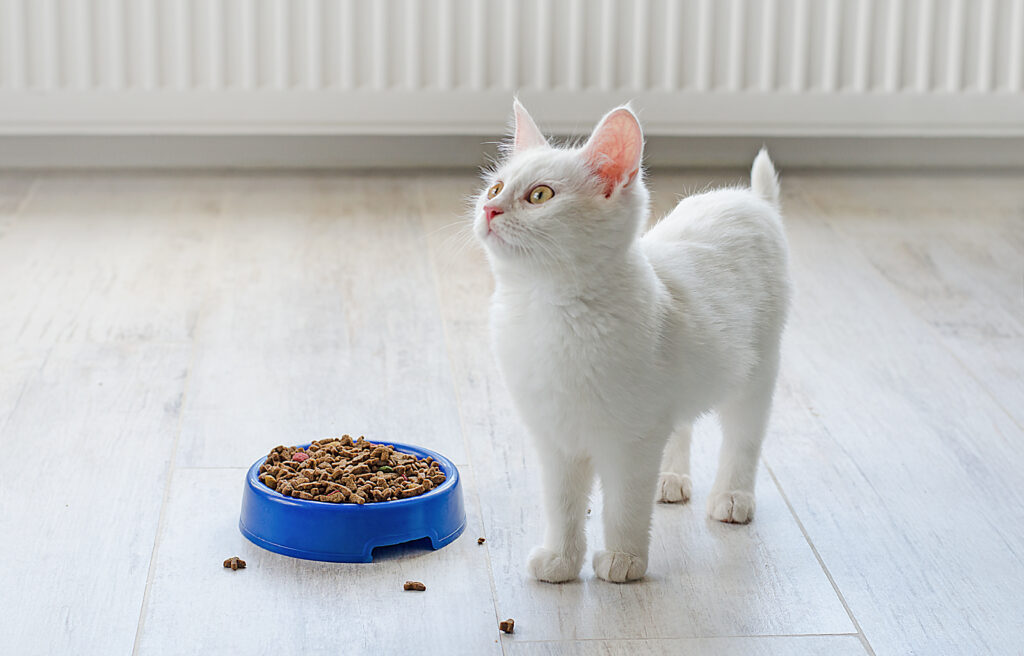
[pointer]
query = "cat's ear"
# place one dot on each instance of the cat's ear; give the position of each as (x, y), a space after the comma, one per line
(527, 134)
(614, 151)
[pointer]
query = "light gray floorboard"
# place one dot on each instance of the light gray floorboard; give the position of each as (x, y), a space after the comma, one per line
(107, 258)
(279, 604)
(153, 321)
(89, 442)
(959, 265)
(321, 318)
(904, 470)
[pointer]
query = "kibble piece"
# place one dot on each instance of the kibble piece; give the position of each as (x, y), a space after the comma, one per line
(414, 585)
(235, 563)
(300, 456)
(480, 540)
(508, 626)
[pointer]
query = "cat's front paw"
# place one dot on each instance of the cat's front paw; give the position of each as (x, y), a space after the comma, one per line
(618, 566)
(674, 488)
(547, 565)
(732, 507)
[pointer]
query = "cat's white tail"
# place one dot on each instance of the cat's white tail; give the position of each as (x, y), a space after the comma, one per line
(763, 179)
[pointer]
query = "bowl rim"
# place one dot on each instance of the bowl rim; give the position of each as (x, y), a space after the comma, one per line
(450, 470)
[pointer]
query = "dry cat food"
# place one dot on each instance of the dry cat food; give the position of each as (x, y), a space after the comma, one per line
(480, 540)
(235, 563)
(508, 626)
(414, 585)
(343, 470)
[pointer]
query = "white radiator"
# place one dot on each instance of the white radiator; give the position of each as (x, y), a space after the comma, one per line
(691, 67)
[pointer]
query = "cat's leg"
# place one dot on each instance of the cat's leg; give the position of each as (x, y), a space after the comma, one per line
(674, 482)
(744, 421)
(626, 481)
(567, 481)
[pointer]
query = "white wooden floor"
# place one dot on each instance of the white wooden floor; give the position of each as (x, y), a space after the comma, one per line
(159, 332)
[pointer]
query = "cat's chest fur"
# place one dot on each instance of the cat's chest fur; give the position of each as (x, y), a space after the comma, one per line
(579, 365)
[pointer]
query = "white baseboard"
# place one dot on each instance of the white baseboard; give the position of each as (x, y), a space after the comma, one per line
(389, 152)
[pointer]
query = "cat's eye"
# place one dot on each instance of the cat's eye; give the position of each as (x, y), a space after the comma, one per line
(540, 194)
(495, 190)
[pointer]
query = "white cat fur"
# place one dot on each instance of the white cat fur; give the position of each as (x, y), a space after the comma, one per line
(612, 342)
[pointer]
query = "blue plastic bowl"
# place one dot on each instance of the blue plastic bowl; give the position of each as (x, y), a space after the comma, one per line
(348, 533)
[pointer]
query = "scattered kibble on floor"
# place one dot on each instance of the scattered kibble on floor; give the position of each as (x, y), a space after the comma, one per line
(508, 626)
(480, 540)
(235, 563)
(414, 585)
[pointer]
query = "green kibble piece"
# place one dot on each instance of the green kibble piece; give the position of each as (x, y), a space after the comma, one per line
(384, 469)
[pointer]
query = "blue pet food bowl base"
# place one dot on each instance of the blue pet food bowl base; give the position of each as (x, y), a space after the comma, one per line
(348, 533)
(364, 556)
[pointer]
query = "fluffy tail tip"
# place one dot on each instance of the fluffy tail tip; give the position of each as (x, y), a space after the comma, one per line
(763, 178)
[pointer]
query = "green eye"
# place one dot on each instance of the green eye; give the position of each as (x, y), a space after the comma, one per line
(495, 190)
(540, 194)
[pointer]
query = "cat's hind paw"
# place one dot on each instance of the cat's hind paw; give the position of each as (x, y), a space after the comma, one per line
(619, 567)
(547, 565)
(674, 488)
(733, 507)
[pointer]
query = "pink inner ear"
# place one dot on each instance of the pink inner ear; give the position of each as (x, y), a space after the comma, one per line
(614, 150)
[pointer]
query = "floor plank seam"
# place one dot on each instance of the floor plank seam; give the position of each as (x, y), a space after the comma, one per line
(432, 261)
(767, 636)
(171, 469)
(24, 386)
(172, 465)
(821, 562)
(26, 197)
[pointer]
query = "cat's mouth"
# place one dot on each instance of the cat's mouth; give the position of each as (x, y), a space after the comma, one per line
(494, 236)
(491, 237)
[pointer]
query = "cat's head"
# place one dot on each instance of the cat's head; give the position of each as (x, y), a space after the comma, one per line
(564, 208)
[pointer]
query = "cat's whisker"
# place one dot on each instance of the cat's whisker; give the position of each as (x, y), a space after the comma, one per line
(557, 253)
(453, 248)
(457, 225)
(458, 244)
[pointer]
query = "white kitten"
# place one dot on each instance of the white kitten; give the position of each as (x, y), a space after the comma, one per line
(612, 343)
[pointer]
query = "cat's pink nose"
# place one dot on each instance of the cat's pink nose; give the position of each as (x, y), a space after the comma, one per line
(490, 212)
